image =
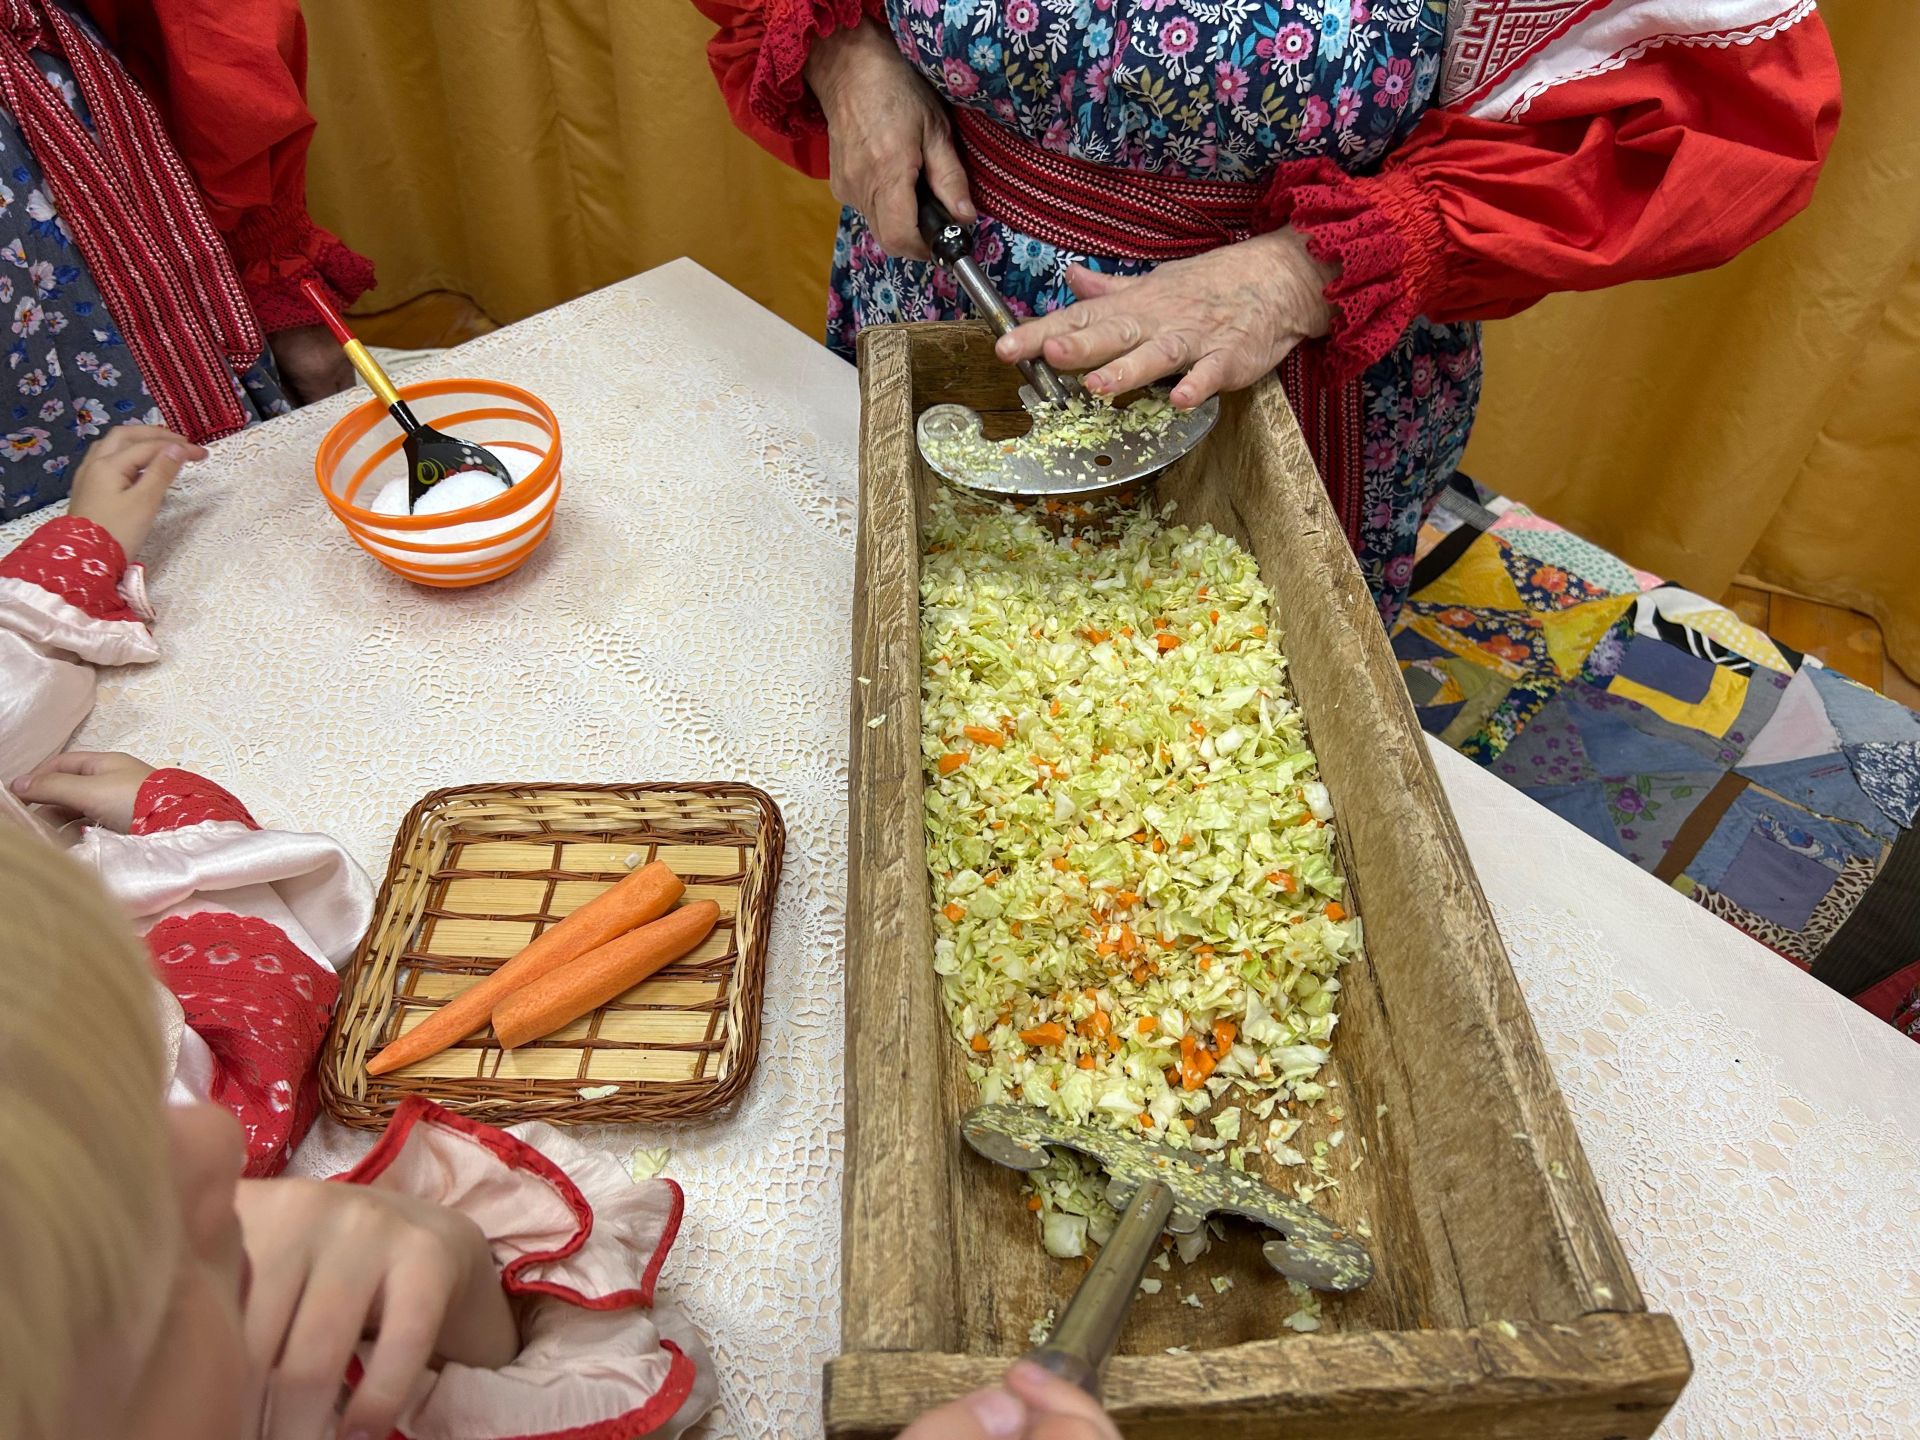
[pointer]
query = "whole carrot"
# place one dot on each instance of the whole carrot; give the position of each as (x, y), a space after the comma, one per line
(646, 894)
(596, 977)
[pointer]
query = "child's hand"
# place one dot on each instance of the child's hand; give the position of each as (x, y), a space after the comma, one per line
(100, 787)
(124, 477)
(333, 1264)
(1029, 1404)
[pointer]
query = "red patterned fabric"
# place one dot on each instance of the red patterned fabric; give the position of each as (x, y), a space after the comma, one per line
(133, 210)
(1487, 40)
(1099, 209)
(261, 1005)
(229, 76)
(1603, 183)
(759, 56)
(174, 799)
(76, 560)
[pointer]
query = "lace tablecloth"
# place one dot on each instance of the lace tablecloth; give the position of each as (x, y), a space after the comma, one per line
(1757, 1138)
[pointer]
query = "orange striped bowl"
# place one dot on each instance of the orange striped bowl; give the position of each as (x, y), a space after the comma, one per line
(459, 547)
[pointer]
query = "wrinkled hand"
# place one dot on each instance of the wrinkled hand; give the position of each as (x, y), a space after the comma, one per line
(124, 477)
(1226, 318)
(1028, 1404)
(333, 1264)
(884, 124)
(312, 364)
(101, 787)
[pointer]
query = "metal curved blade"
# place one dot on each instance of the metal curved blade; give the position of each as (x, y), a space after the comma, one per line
(944, 430)
(1311, 1248)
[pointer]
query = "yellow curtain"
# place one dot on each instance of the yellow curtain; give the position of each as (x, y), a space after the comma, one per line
(1763, 418)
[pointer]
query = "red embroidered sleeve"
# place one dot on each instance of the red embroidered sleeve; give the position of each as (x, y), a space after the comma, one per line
(759, 56)
(1672, 161)
(76, 560)
(230, 77)
(261, 1005)
(174, 799)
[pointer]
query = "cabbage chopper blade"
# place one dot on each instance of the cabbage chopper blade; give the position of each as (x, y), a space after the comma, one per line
(1155, 1187)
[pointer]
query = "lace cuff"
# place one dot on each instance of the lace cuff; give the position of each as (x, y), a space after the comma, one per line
(1383, 232)
(276, 249)
(78, 561)
(174, 799)
(779, 97)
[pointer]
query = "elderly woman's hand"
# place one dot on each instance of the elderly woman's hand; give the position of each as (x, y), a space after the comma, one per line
(884, 123)
(1226, 318)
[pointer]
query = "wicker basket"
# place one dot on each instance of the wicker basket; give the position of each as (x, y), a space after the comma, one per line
(480, 870)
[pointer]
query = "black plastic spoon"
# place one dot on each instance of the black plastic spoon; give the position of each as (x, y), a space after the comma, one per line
(431, 456)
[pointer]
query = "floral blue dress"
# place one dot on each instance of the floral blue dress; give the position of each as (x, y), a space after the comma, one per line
(68, 374)
(1219, 89)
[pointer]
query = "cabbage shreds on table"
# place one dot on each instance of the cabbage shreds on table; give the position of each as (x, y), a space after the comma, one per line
(1138, 917)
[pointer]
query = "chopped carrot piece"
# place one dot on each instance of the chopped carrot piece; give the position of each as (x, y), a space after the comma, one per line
(1203, 949)
(1101, 1022)
(981, 735)
(999, 825)
(1140, 973)
(1094, 637)
(1223, 1035)
(1259, 632)
(1166, 641)
(1201, 593)
(1336, 911)
(954, 912)
(1127, 631)
(1206, 962)
(1186, 842)
(1285, 881)
(951, 762)
(1172, 1074)
(1128, 941)
(1086, 1062)
(1159, 622)
(980, 1043)
(1125, 897)
(1146, 1121)
(1016, 927)
(1033, 1202)
(1059, 862)
(1105, 947)
(1054, 709)
(1051, 1033)
(1199, 730)
(1159, 845)
(1213, 617)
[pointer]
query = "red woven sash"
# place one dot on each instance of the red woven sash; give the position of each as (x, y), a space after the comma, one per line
(134, 213)
(1101, 210)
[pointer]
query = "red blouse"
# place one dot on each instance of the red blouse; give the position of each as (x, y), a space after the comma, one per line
(229, 77)
(1573, 145)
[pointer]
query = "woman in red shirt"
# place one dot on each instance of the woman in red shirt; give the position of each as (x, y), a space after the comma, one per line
(1341, 188)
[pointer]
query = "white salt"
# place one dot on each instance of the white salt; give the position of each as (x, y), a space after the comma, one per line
(457, 492)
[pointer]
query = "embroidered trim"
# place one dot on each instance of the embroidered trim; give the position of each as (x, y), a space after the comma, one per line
(1712, 39)
(136, 215)
(1100, 209)
(172, 799)
(77, 560)
(1487, 40)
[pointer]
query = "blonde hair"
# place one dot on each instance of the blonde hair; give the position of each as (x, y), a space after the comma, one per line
(84, 1176)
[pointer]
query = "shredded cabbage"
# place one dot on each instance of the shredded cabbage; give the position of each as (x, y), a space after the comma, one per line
(1137, 911)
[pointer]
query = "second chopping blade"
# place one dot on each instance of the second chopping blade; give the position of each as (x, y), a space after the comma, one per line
(1080, 447)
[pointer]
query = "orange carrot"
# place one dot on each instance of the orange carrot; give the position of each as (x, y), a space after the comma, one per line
(1166, 641)
(646, 894)
(1051, 1033)
(1336, 911)
(951, 762)
(981, 735)
(599, 975)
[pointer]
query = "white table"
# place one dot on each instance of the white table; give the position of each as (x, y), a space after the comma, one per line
(1758, 1138)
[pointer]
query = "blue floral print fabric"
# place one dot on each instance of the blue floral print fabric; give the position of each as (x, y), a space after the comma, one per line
(68, 374)
(1217, 89)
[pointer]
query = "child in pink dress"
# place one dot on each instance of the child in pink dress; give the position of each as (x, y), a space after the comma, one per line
(462, 1283)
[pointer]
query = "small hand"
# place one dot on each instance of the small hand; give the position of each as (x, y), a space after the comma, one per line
(312, 364)
(1028, 1404)
(334, 1264)
(124, 477)
(99, 786)
(884, 124)
(1226, 318)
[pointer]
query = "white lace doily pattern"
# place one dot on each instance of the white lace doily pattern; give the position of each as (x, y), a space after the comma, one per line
(1755, 1134)
(688, 619)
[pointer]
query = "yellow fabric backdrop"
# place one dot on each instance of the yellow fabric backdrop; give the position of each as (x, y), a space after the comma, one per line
(1762, 418)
